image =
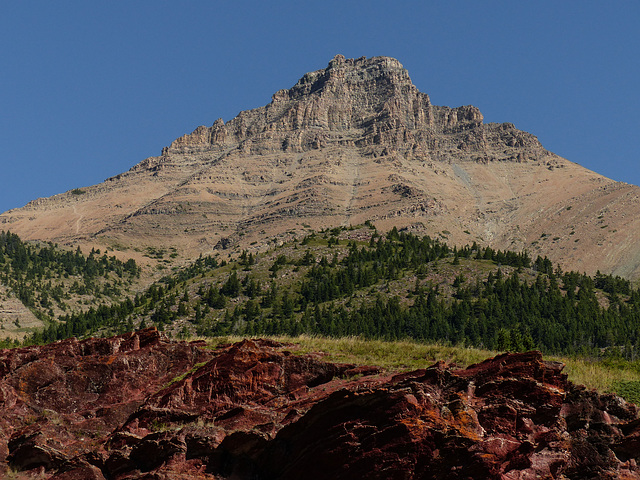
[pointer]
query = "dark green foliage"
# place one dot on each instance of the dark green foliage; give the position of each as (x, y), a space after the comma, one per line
(200, 266)
(278, 264)
(36, 274)
(231, 288)
(307, 259)
(30, 260)
(344, 289)
(558, 312)
(78, 324)
(8, 343)
(216, 298)
(502, 313)
(630, 391)
(246, 260)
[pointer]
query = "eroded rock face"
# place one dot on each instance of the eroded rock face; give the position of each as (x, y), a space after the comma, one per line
(356, 102)
(257, 411)
(60, 401)
(351, 142)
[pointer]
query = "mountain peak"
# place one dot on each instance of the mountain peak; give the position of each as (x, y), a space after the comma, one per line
(356, 93)
(386, 71)
(369, 100)
(355, 141)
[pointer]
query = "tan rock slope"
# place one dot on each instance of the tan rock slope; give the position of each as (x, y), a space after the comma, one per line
(353, 142)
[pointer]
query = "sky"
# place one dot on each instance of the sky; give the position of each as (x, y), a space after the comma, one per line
(89, 89)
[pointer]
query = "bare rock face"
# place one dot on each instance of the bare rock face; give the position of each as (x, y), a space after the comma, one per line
(352, 142)
(137, 406)
(61, 400)
(360, 102)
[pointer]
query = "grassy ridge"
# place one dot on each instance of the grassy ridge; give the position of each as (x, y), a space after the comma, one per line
(606, 376)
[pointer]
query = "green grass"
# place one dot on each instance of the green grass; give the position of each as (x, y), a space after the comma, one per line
(629, 390)
(183, 375)
(602, 375)
(622, 378)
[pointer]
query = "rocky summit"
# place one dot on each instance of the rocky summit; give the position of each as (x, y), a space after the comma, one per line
(352, 142)
(138, 406)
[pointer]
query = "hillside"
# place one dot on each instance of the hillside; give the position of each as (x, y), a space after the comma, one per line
(354, 281)
(39, 282)
(353, 142)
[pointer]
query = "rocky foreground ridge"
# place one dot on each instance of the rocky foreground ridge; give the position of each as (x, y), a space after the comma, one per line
(138, 406)
(352, 142)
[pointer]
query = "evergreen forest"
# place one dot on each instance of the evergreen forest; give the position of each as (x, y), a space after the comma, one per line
(351, 282)
(50, 281)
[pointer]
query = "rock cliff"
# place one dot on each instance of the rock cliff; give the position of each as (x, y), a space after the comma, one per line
(352, 142)
(137, 406)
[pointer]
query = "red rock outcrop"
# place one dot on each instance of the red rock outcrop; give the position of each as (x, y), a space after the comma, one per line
(137, 406)
(60, 401)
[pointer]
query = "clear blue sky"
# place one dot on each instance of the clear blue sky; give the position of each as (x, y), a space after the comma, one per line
(88, 89)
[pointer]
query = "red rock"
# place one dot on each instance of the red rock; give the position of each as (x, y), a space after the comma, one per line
(253, 410)
(62, 400)
(85, 472)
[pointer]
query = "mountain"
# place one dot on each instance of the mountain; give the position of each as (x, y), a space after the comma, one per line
(353, 142)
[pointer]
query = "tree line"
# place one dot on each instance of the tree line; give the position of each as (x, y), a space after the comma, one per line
(344, 289)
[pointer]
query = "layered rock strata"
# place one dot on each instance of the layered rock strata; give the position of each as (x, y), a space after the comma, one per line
(352, 142)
